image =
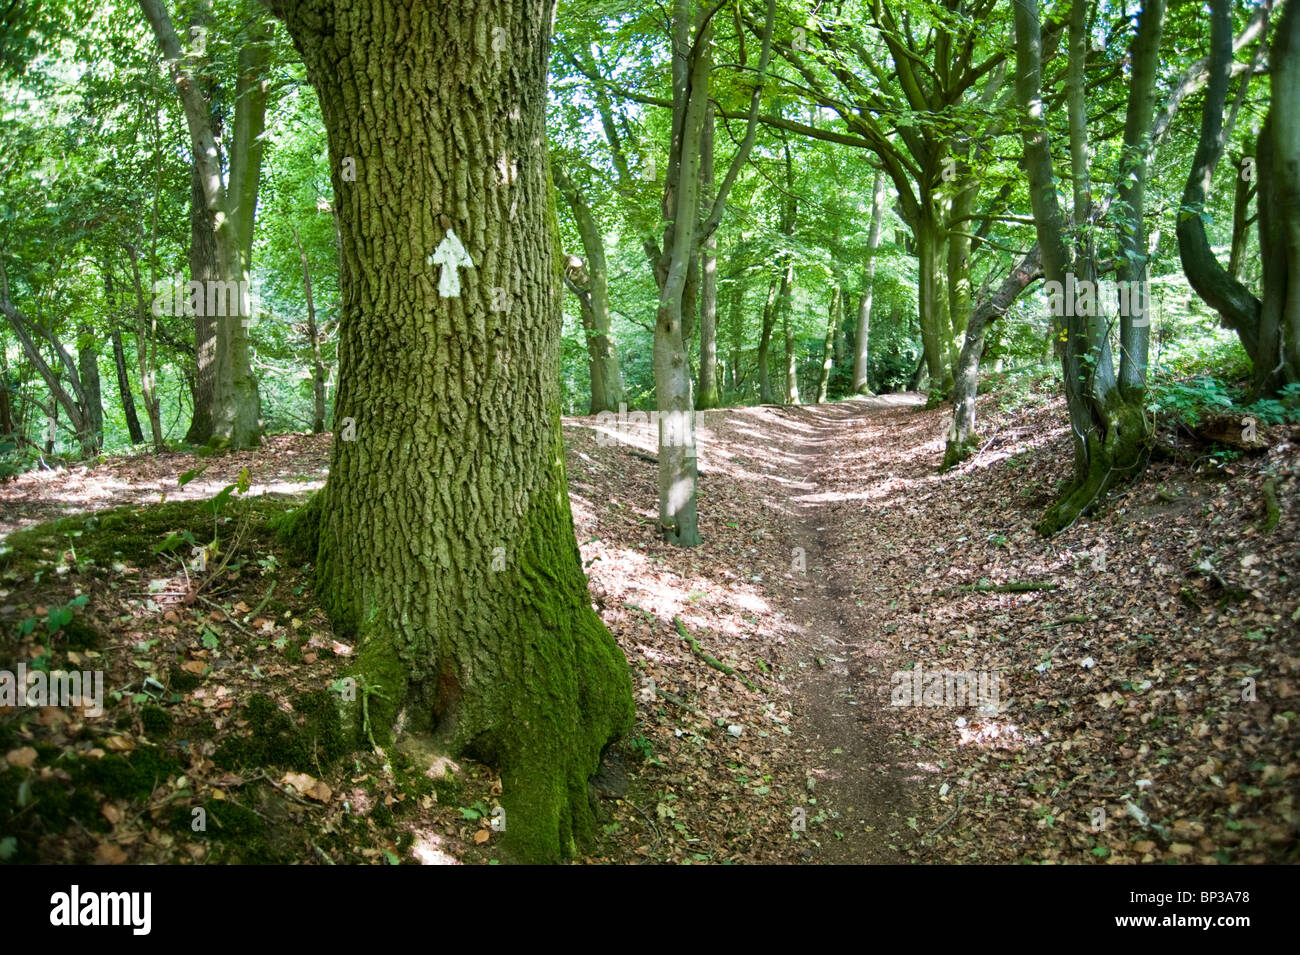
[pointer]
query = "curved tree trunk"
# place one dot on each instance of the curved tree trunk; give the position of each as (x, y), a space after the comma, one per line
(961, 435)
(446, 541)
(602, 359)
(1237, 306)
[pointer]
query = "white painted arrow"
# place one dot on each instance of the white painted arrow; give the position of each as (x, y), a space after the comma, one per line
(451, 255)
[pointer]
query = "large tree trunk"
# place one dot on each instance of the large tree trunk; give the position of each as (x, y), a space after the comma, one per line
(606, 376)
(861, 349)
(446, 540)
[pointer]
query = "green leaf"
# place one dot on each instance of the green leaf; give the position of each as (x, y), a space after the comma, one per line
(189, 476)
(222, 496)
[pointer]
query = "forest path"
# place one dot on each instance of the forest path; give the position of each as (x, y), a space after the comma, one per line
(845, 454)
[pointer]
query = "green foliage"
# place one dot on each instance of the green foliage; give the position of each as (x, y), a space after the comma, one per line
(1187, 402)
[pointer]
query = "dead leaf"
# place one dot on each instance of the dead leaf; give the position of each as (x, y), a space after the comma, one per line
(482, 836)
(309, 786)
(108, 854)
(23, 757)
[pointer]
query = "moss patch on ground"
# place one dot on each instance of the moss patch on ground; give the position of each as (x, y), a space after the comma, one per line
(307, 740)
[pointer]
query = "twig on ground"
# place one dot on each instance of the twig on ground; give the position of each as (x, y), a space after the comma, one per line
(709, 658)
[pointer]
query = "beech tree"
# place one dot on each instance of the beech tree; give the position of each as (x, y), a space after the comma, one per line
(1108, 424)
(686, 229)
(1268, 326)
(224, 187)
(589, 281)
(444, 538)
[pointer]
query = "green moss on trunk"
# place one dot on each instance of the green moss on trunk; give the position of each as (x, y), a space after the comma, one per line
(1113, 457)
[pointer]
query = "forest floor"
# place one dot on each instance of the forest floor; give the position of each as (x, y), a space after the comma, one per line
(916, 675)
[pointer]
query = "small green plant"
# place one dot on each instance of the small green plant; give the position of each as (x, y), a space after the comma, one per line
(1187, 402)
(479, 810)
(642, 747)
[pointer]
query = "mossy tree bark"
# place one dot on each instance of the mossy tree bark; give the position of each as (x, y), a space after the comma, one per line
(446, 542)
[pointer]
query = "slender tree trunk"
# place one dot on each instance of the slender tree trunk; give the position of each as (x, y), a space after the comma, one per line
(961, 435)
(828, 349)
(606, 376)
(765, 395)
(735, 316)
(88, 370)
(1135, 322)
(1108, 432)
(862, 347)
(203, 258)
(313, 338)
(124, 390)
(145, 354)
(785, 306)
(119, 361)
(73, 402)
(1245, 189)
(446, 542)
(707, 397)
